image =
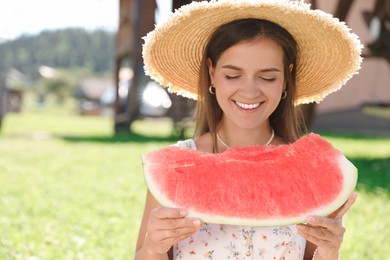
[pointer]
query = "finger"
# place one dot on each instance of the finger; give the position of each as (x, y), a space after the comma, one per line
(177, 239)
(167, 224)
(339, 213)
(315, 233)
(327, 245)
(171, 235)
(178, 232)
(334, 225)
(310, 238)
(162, 243)
(347, 205)
(163, 213)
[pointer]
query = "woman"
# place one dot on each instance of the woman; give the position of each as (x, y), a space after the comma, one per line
(252, 73)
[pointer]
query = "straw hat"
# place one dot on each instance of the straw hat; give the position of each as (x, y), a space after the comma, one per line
(329, 53)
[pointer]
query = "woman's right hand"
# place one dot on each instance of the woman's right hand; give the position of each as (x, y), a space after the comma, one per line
(166, 227)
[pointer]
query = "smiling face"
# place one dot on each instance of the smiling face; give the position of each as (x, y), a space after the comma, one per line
(249, 80)
(249, 62)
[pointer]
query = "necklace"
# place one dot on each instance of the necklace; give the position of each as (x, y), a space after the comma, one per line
(267, 143)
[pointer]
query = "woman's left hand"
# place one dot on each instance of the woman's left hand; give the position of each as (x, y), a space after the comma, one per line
(326, 232)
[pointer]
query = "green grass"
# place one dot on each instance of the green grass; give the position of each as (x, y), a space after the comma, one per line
(383, 112)
(69, 189)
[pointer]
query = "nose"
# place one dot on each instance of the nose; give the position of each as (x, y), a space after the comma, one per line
(251, 88)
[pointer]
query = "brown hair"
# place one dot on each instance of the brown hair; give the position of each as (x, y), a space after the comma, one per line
(286, 119)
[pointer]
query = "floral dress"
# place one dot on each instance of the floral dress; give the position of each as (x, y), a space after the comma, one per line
(217, 241)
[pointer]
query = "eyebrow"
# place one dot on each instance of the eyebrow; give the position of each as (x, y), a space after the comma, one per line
(263, 70)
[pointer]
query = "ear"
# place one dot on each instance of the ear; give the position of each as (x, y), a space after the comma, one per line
(291, 66)
(211, 69)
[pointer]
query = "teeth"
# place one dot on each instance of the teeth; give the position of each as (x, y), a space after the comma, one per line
(247, 106)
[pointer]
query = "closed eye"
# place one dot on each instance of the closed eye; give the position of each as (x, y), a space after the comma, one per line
(269, 79)
(231, 77)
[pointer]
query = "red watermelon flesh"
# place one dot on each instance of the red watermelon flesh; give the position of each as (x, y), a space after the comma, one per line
(253, 186)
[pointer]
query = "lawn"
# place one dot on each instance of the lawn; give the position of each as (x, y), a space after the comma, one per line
(70, 190)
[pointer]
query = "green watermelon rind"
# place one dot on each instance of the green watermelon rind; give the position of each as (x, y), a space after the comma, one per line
(161, 198)
(349, 183)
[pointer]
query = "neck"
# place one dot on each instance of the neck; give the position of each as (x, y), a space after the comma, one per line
(231, 137)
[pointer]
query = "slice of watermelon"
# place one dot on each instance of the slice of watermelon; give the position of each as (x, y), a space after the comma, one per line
(253, 186)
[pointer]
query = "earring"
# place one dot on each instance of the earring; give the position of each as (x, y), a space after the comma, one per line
(284, 94)
(212, 92)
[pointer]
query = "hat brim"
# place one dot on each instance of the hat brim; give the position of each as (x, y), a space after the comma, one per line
(329, 54)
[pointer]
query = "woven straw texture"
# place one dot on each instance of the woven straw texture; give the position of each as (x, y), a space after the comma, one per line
(329, 53)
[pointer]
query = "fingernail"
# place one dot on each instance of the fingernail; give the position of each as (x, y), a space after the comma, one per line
(196, 222)
(310, 219)
(183, 212)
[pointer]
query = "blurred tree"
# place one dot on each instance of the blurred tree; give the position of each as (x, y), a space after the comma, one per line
(137, 18)
(67, 48)
(378, 20)
(58, 88)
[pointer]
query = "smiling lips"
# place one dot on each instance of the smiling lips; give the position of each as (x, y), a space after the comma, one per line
(247, 106)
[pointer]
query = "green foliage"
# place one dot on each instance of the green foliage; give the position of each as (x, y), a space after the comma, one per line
(66, 48)
(58, 87)
(62, 86)
(69, 189)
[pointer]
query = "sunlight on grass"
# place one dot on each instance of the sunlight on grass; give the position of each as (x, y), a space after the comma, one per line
(367, 227)
(370, 147)
(69, 189)
(383, 112)
(151, 128)
(68, 200)
(367, 222)
(41, 125)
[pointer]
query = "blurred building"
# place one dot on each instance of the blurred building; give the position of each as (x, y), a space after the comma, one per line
(89, 93)
(136, 19)
(362, 106)
(372, 84)
(13, 86)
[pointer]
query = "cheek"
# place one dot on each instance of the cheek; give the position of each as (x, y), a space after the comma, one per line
(225, 86)
(273, 89)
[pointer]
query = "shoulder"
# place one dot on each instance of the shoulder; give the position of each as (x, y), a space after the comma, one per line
(202, 143)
